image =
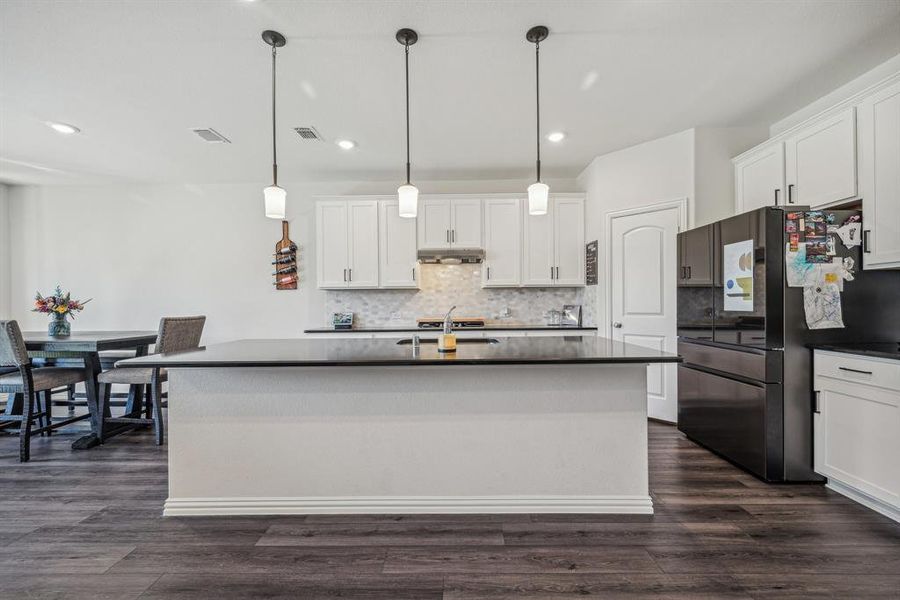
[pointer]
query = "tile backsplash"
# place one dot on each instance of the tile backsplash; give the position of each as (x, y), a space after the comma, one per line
(443, 286)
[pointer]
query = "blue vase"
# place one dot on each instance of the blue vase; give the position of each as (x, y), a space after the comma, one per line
(59, 326)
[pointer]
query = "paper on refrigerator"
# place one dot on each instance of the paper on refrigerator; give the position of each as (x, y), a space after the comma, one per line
(822, 305)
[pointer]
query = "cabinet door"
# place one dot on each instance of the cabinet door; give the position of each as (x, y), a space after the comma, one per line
(396, 247)
(759, 178)
(696, 246)
(331, 244)
(820, 161)
(879, 177)
(433, 224)
(363, 247)
(538, 257)
(568, 232)
(857, 441)
(502, 243)
(465, 218)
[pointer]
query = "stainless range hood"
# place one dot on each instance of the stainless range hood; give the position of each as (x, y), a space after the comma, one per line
(451, 256)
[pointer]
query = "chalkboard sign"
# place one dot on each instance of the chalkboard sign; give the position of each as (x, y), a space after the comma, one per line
(590, 263)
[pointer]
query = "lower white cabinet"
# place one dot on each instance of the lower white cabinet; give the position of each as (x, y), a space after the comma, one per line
(857, 428)
(397, 264)
(879, 177)
(502, 243)
(347, 244)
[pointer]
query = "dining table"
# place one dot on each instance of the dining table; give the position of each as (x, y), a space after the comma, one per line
(87, 346)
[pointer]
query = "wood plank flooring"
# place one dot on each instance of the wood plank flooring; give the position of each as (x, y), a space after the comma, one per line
(87, 525)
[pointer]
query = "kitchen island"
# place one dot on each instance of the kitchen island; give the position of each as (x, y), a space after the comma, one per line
(377, 426)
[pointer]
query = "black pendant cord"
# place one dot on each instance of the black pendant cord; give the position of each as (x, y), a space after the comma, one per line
(537, 90)
(407, 112)
(274, 146)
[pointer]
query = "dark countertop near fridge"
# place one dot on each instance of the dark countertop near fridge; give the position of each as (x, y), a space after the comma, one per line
(889, 350)
(413, 328)
(388, 352)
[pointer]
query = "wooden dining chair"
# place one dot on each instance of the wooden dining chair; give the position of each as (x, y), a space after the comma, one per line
(28, 383)
(175, 334)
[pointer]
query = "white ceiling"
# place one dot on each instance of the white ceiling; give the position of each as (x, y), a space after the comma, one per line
(135, 76)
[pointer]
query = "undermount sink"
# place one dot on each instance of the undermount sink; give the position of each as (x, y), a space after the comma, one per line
(408, 341)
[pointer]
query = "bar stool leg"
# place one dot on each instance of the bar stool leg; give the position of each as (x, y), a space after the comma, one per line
(25, 428)
(48, 407)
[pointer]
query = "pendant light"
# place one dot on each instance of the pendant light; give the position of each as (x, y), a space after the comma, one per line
(407, 194)
(538, 191)
(274, 195)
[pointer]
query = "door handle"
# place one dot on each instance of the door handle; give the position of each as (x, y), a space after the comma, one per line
(776, 196)
(865, 241)
(861, 372)
(617, 325)
(790, 193)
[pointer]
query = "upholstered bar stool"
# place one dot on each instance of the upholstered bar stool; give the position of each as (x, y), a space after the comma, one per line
(175, 334)
(30, 382)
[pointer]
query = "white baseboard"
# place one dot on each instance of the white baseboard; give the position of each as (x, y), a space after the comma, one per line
(176, 507)
(879, 506)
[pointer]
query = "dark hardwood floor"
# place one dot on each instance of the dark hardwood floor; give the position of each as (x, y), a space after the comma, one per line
(87, 525)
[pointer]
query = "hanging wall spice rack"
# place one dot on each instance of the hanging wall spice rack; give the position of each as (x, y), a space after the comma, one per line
(285, 262)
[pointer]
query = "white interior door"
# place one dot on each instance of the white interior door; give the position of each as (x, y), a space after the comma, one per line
(643, 263)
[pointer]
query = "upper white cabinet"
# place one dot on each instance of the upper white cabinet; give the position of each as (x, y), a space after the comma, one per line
(449, 223)
(879, 177)
(347, 244)
(502, 243)
(820, 161)
(553, 248)
(397, 265)
(759, 177)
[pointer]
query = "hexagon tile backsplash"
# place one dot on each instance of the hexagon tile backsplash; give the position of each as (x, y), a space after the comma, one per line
(443, 286)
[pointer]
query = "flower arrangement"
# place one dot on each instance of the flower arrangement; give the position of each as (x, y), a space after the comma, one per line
(60, 305)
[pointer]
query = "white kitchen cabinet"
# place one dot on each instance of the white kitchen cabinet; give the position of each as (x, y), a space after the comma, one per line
(857, 428)
(502, 243)
(879, 177)
(820, 161)
(397, 264)
(553, 248)
(449, 223)
(347, 244)
(759, 177)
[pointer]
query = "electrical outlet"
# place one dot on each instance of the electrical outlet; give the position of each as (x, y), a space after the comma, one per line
(396, 315)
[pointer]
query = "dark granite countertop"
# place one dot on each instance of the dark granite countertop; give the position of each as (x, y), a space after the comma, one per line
(889, 350)
(387, 352)
(488, 327)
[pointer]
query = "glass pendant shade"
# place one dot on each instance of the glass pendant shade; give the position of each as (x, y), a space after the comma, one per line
(275, 197)
(537, 198)
(408, 200)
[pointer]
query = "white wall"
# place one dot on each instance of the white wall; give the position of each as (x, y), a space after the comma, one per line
(143, 251)
(5, 260)
(644, 174)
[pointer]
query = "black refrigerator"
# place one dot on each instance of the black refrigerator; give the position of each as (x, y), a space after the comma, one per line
(745, 387)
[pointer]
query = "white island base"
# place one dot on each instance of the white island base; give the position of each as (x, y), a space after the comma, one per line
(564, 438)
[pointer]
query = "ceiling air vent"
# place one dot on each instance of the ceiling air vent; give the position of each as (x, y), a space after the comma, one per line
(308, 133)
(208, 134)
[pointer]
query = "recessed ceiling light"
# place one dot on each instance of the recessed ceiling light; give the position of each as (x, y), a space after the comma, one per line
(63, 128)
(346, 144)
(556, 136)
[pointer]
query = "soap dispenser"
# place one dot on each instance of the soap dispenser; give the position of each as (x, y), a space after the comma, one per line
(447, 341)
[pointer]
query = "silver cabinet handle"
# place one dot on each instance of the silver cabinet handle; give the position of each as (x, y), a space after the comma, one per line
(855, 370)
(551, 272)
(349, 274)
(488, 272)
(776, 196)
(414, 273)
(617, 325)
(790, 193)
(452, 235)
(345, 274)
